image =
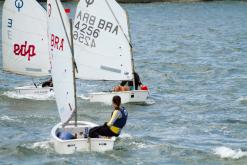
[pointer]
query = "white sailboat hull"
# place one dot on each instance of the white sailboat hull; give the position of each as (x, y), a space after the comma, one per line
(32, 90)
(135, 96)
(81, 143)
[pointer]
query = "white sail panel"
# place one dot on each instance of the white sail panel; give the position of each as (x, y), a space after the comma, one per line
(61, 58)
(24, 38)
(102, 42)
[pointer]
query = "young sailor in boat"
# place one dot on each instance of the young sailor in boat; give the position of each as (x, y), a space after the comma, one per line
(128, 85)
(47, 83)
(114, 126)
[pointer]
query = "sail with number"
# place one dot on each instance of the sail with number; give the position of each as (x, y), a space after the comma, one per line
(61, 58)
(101, 41)
(24, 38)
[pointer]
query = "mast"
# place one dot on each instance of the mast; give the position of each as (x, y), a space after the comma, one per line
(131, 52)
(133, 68)
(74, 67)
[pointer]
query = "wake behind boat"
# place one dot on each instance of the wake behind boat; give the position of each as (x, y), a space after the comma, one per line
(24, 42)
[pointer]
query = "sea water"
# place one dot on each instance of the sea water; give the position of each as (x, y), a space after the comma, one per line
(192, 56)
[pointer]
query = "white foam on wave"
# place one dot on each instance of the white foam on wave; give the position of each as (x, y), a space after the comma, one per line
(133, 142)
(125, 135)
(141, 145)
(242, 99)
(225, 152)
(149, 102)
(6, 118)
(9, 119)
(12, 94)
(45, 145)
(83, 97)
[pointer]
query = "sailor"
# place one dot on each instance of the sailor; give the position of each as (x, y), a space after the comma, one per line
(114, 126)
(128, 85)
(47, 83)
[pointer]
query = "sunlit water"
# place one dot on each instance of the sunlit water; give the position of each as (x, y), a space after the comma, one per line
(193, 58)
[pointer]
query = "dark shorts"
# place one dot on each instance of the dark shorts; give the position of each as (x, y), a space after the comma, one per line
(103, 130)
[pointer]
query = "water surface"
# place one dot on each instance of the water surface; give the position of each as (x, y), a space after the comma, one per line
(193, 58)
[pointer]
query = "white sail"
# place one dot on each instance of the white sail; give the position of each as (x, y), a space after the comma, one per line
(24, 38)
(61, 58)
(102, 42)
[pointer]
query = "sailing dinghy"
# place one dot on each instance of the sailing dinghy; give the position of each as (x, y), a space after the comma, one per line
(103, 48)
(63, 74)
(24, 43)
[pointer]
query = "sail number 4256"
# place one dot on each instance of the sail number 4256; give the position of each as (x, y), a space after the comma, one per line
(86, 34)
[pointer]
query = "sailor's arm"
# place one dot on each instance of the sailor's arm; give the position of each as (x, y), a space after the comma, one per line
(114, 117)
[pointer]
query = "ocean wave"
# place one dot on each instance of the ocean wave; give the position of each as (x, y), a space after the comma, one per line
(14, 95)
(225, 152)
(242, 99)
(128, 141)
(45, 145)
(150, 101)
(83, 97)
(36, 147)
(7, 118)
(141, 145)
(125, 135)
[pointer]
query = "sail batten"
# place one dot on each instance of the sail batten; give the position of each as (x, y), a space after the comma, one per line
(24, 38)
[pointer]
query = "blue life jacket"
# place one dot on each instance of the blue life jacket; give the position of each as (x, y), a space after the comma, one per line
(120, 122)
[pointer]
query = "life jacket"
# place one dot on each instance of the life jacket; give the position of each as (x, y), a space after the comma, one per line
(120, 122)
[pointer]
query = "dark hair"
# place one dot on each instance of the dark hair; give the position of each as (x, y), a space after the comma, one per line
(117, 100)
